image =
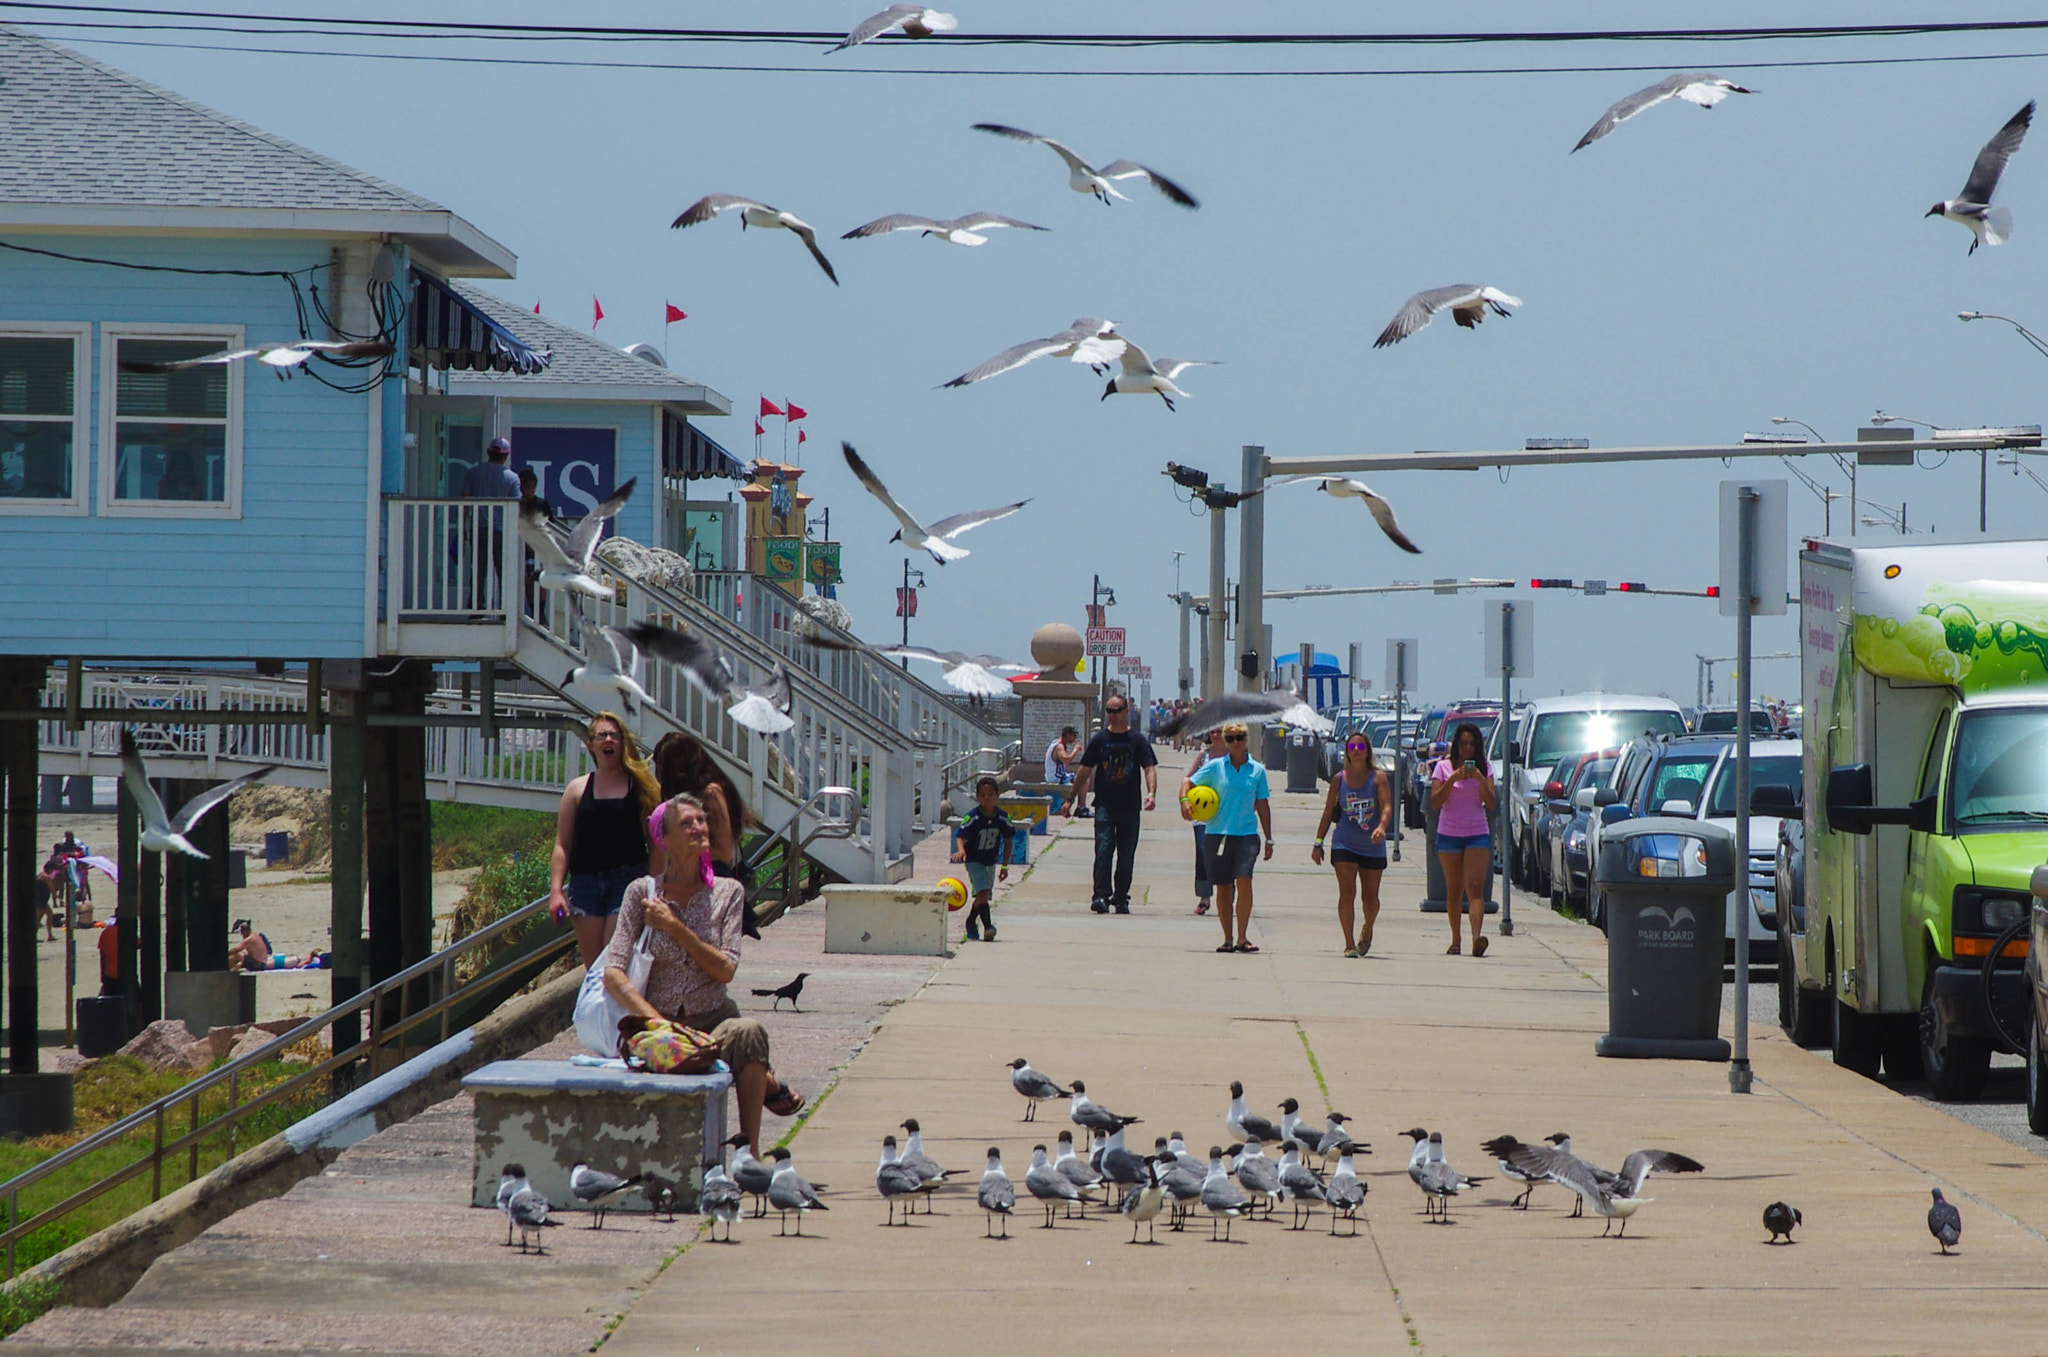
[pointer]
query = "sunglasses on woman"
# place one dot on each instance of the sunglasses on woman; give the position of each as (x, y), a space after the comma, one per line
(1357, 748)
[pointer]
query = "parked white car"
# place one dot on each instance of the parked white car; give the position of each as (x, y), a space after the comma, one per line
(1551, 727)
(1772, 763)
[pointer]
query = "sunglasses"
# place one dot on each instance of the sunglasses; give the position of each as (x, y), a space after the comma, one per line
(1234, 739)
(1357, 748)
(1114, 711)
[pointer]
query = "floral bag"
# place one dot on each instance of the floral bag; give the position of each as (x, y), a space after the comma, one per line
(663, 1047)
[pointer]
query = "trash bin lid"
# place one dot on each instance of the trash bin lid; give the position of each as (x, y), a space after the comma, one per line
(1689, 854)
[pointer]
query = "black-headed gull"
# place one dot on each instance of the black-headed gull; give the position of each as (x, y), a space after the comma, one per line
(1141, 375)
(1343, 487)
(937, 538)
(567, 565)
(1035, 1087)
(600, 1191)
(996, 1194)
(282, 355)
(897, 1181)
(755, 214)
(914, 21)
(1085, 178)
(789, 1191)
(764, 708)
(163, 833)
(973, 675)
(1468, 303)
(965, 230)
(1972, 207)
(1613, 1195)
(1698, 87)
(1087, 340)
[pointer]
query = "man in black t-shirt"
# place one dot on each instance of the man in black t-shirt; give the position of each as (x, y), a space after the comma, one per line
(1119, 764)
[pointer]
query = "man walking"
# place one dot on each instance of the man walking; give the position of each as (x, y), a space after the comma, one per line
(1231, 847)
(1115, 761)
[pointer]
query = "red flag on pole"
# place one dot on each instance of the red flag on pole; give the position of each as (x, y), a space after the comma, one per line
(800, 437)
(796, 411)
(769, 407)
(758, 430)
(675, 313)
(906, 602)
(536, 308)
(596, 312)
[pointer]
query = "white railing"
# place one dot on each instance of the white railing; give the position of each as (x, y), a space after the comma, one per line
(453, 560)
(286, 741)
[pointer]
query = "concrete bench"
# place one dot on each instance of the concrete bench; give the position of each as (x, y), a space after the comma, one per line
(1034, 804)
(547, 1114)
(1020, 845)
(901, 920)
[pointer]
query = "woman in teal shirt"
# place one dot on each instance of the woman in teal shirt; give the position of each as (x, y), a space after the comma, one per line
(1231, 846)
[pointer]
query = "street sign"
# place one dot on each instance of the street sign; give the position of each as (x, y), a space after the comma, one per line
(1767, 548)
(1105, 641)
(1516, 623)
(1143, 673)
(1129, 664)
(1402, 656)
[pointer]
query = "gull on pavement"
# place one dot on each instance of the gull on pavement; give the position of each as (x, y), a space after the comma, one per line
(996, 1195)
(1035, 1087)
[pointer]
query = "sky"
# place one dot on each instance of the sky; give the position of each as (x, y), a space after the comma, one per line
(1684, 280)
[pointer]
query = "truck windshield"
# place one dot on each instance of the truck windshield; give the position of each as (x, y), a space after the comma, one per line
(2001, 767)
(1560, 733)
(1778, 770)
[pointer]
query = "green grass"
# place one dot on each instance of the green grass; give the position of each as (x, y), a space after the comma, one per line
(475, 836)
(23, 1304)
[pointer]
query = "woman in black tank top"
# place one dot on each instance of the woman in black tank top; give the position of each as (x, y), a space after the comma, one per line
(601, 835)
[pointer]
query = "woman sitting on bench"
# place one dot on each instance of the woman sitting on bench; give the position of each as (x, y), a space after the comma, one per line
(693, 923)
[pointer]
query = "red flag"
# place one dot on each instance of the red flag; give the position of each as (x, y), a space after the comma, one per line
(758, 430)
(769, 407)
(675, 313)
(800, 437)
(796, 411)
(596, 312)
(536, 308)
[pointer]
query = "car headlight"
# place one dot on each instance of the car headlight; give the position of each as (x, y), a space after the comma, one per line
(1576, 839)
(1982, 910)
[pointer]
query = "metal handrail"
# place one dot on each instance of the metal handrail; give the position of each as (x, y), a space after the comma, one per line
(154, 1115)
(1007, 756)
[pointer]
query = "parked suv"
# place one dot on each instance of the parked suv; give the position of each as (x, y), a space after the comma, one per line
(1772, 763)
(1669, 771)
(1551, 727)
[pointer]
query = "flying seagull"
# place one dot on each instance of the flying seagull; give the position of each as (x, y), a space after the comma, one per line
(765, 708)
(1087, 340)
(1614, 1196)
(1140, 375)
(1035, 1087)
(755, 214)
(566, 565)
(282, 355)
(1779, 1218)
(1944, 1222)
(996, 1196)
(1343, 487)
(1700, 87)
(915, 21)
(936, 539)
(1972, 207)
(613, 667)
(974, 675)
(600, 1191)
(1225, 709)
(965, 230)
(1085, 178)
(1469, 303)
(166, 834)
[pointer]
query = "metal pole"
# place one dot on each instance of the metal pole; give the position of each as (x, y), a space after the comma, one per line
(1852, 495)
(1394, 820)
(1251, 573)
(1214, 672)
(1983, 470)
(1504, 792)
(1184, 677)
(1746, 499)
(71, 962)
(903, 607)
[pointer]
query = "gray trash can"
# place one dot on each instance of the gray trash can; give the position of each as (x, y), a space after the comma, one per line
(1272, 748)
(1667, 882)
(1304, 761)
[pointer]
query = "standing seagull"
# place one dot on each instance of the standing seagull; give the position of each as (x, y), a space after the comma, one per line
(280, 356)
(1141, 376)
(528, 1210)
(1299, 1185)
(965, 230)
(599, 1190)
(1093, 1116)
(1048, 1184)
(1141, 1204)
(1502, 1148)
(567, 566)
(996, 1195)
(163, 833)
(936, 539)
(1085, 178)
(751, 1174)
(1700, 87)
(755, 214)
(896, 1180)
(1087, 340)
(923, 1165)
(511, 1179)
(1079, 1171)
(1241, 1122)
(915, 21)
(1035, 1087)
(1220, 1196)
(1343, 487)
(1944, 1222)
(1972, 207)
(1258, 1175)
(718, 1199)
(1779, 1218)
(1345, 1191)
(1468, 302)
(788, 1191)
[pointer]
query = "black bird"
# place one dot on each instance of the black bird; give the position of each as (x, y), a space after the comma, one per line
(789, 992)
(1944, 1222)
(1779, 1218)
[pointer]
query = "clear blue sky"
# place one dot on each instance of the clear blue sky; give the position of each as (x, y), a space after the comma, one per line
(1685, 279)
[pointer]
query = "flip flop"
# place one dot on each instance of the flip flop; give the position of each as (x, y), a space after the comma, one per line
(1454, 949)
(1246, 947)
(1479, 947)
(787, 1102)
(1227, 947)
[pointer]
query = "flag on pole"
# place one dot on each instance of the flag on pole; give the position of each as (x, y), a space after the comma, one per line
(769, 407)
(536, 308)
(675, 313)
(906, 602)
(596, 312)
(758, 430)
(796, 412)
(800, 437)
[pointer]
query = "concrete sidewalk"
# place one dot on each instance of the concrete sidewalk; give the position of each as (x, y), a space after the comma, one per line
(1157, 1023)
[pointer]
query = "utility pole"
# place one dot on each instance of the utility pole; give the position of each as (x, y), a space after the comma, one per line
(1215, 674)
(1185, 676)
(906, 602)
(1251, 574)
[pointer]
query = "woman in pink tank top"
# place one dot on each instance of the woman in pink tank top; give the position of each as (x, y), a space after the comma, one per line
(1461, 789)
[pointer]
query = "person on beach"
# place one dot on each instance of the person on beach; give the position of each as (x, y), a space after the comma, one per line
(250, 950)
(1461, 788)
(1205, 889)
(1243, 817)
(692, 919)
(985, 839)
(1116, 763)
(1360, 804)
(601, 835)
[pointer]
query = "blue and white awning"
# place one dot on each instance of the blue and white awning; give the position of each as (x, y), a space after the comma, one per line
(445, 331)
(690, 454)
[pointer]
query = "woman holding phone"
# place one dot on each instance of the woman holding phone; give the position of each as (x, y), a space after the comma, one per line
(1461, 789)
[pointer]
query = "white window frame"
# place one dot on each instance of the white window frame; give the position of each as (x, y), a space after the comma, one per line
(230, 337)
(80, 334)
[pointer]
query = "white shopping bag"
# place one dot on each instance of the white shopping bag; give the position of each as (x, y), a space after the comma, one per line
(597, 1012)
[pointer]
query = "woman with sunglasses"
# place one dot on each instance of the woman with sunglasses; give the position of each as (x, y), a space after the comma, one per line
(1461, 789)
(1360, 802)
(1242, 823)
(601, 835)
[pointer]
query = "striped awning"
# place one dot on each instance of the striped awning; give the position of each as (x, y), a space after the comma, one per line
(447, 332)
(687, 452)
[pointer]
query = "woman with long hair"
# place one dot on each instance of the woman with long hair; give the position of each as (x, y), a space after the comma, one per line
(1360, 802)
(601, 834)
(682, 767)
(1461, 789)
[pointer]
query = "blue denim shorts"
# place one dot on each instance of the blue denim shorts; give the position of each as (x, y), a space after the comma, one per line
(981, 876)
(597, 894)
(1459, 843)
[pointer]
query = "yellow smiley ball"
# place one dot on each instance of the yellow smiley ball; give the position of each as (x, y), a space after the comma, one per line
(1201, 802)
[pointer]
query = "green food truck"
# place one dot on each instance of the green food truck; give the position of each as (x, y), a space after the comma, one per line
(1925, 676)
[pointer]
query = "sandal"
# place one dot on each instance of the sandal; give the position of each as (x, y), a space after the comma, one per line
(1479, 946)
(1351, 951)
(1246, 947)
(1228, 947)
(1454, 949)
(787, 1102)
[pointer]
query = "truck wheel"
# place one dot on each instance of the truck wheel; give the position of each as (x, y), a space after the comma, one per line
(1852, 1037)
(1955, 1066)
(1799, 1011)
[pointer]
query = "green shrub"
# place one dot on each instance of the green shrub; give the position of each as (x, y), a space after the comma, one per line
(474, 836)
(25, 1302)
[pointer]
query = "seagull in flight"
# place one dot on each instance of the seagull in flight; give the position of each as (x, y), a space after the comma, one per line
(1085, 178)
(1613, 1195)
(1087, 340)
(1343, 487)
(1141, 375)
(913, 21)
(755, 214)
(973, 675)
(1225, 709)
(283, 355)
(1700, 87)
(567, 566)
(967, 230)
(165, 833)
(936, 539)
(764, 708)
(1468, 303)
(1972, 207)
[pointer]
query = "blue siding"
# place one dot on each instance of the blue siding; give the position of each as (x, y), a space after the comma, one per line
(639, 448)
(284, 579)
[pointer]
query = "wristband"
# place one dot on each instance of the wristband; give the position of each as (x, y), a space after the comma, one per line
(1319, 843)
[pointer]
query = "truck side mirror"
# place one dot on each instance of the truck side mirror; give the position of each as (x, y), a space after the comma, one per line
(1771, 799)
(1923, 821)
(1514, 751)
(1583, 798)
(1606, 796)
(1851, 789)
(1678, 806)
(2040, 882)
(1613, 812)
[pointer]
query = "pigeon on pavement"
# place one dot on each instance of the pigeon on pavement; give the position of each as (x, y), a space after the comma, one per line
(1779, 1218)
(1944, 1222)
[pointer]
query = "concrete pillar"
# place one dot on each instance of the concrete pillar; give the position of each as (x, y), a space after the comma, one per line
(149, 934)
(345, 738)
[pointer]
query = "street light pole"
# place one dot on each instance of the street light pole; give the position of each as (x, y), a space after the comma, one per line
(1251, 574)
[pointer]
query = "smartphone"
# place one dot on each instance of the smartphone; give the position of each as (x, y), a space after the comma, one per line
(1470, 764)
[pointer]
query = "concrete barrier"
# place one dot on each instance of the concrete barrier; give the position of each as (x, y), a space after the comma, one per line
(886, 920)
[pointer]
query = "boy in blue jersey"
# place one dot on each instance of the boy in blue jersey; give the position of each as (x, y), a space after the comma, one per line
(985, 848)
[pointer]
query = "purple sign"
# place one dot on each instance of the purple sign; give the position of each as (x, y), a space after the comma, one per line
(575, 468)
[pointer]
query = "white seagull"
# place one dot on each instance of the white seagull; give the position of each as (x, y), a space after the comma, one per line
(511, 1179)
(1225, 709)
(974, 675)
(1087, 340)
(1035, 1087)
(1972, 207)
(717, 1200)
(1141, 376)
(1345, 1191)
(163, 833)
(282, 355)
(936, 539)
(1343, 487)
(965, 230)
(528, 1210)
(755, 214)
(600, 1191)
(567, 565)
(913, 21)
(1048, 1184)
(1700, 87)
(789, 1191)
(1085, 178)
(1468, 302)
(896, 1180)
(996, 1195)
(764, 708)
(1614, 1196)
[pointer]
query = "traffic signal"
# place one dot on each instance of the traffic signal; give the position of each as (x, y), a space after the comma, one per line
(1552, 584)
(1632, 587)
(1713, 591)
